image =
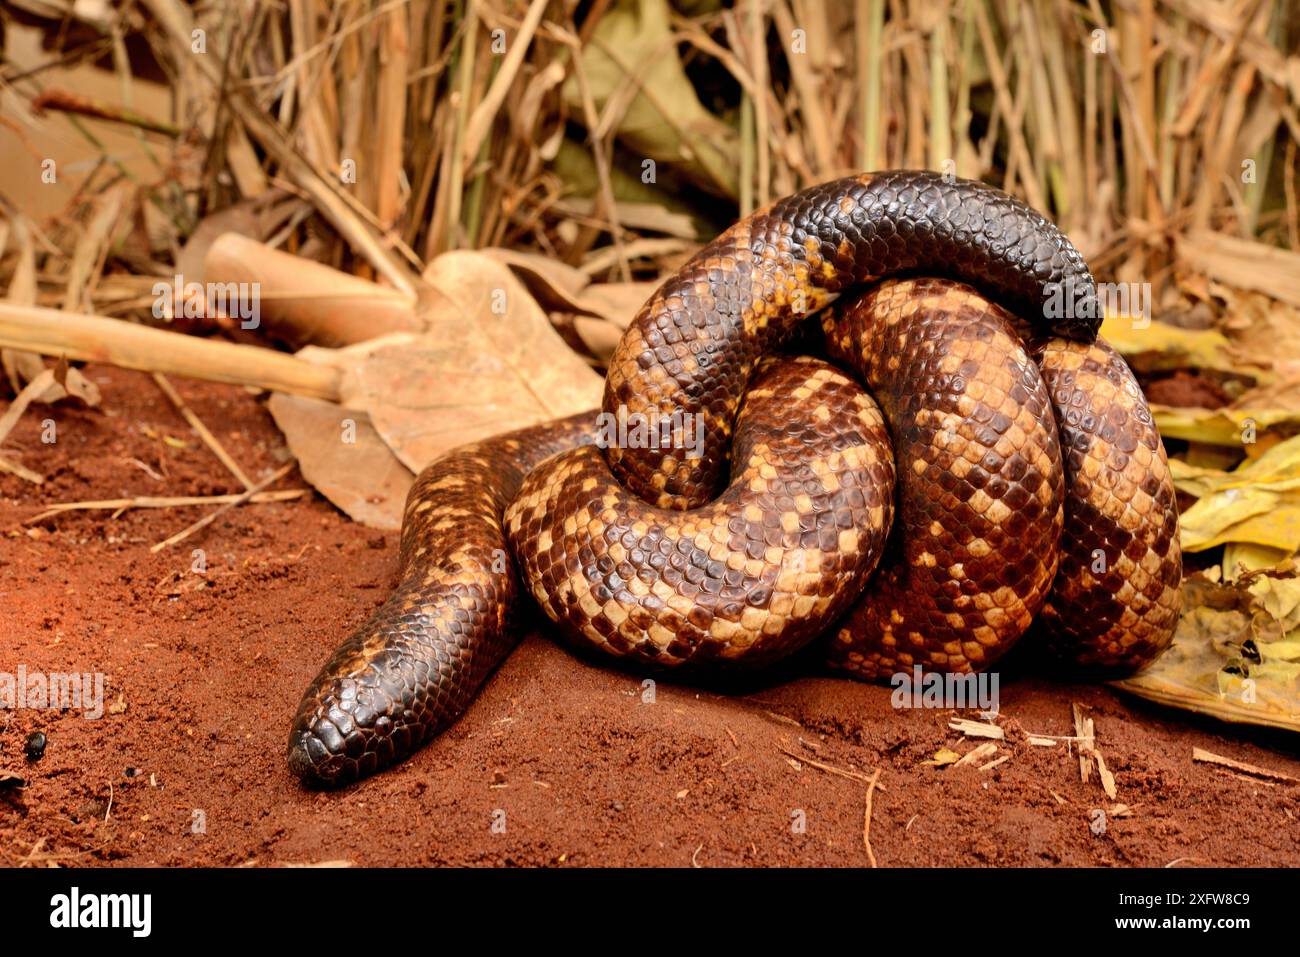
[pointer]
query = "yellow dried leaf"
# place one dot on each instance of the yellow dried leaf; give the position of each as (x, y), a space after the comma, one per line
(1231, 657)
(1247, 556)
(1257, 504)
(943, 757)
(1163, 346)
(1280, 598)
(1220, 426)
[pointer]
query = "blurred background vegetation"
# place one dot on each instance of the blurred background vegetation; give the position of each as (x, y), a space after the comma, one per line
(614, 135)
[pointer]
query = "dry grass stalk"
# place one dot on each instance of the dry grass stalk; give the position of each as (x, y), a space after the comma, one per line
(1209, 757)
(97, 339)
(201, 430)
(119, 505)
(236, 501)
(1130, 124)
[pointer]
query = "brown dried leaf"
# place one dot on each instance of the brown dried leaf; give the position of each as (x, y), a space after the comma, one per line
(490, 363)
(363, 477)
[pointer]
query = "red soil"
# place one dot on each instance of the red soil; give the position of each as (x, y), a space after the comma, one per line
(203, 672)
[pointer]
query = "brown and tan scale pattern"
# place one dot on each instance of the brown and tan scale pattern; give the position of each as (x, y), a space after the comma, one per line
(1117, 595)
(974, 550)
(416, 664)
(694, 345)
(744, 580)
(609, 553)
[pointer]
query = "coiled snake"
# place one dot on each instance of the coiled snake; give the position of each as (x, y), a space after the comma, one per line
(1027, 475)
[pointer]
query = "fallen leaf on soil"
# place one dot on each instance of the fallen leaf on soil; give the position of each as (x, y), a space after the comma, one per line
(599, 311)
(490, 363)
(362, 477)
(943, 757)
(1236, 652)
(1258, 503)
(1159, 346)
(1264, 331)
(1225, 426)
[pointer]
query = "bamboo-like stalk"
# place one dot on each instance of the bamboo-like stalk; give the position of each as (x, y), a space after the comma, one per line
(870, 25)
(941, 150)
(91, 338)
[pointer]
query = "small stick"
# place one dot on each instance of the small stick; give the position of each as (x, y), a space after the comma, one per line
(828, 768)
(213, 516)
(22, 400)
(978, 753)
(66, 102)
(1209, 757)
(201, 430)
(1107, 779)
(1083, 729)
(130, 346)
(977, 729)
(23, 473)
(866, 818)
(178, 501)
(12, 414)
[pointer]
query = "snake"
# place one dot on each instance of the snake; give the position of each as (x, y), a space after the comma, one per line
(957, 463)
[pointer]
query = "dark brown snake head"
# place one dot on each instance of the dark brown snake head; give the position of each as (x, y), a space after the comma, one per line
(414, 666)
(984, 491)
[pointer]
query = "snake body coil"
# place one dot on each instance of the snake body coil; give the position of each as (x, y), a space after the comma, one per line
(1031, 483)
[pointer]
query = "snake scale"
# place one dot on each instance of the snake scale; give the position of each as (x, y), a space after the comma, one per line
(969, 462)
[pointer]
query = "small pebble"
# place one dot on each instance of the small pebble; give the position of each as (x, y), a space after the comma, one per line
(132, 772)
(35, 746)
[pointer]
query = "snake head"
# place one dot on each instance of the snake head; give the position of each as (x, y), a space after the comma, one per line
(406, 674)
(367, 708)
(344, 730)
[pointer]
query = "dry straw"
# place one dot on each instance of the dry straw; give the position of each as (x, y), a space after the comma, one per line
(372, 136)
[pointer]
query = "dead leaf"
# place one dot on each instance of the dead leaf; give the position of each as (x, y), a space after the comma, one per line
(1236, 652)
(942, 758)
(361, 477)
(1242, 262)
(490, 363)
(1258, 503)
(633, 55)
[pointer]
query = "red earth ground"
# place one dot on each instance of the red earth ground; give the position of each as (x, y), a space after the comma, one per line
(560, 761)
